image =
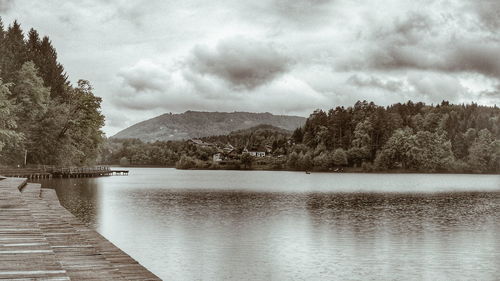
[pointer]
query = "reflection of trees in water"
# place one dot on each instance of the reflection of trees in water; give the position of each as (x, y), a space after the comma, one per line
(222, 206)
(78, 195)
(354, 212)
(403, 213)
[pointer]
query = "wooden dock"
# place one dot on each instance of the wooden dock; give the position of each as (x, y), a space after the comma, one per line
(26, 173)
(70, 172)
(85, 172)
(41, 240)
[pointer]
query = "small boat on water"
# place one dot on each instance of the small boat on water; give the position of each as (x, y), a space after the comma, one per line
(307, 172)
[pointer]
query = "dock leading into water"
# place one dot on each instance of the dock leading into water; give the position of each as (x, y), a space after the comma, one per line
(69, 172)
(41, 240)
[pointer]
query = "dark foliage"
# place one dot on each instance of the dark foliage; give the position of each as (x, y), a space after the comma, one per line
(49, 121)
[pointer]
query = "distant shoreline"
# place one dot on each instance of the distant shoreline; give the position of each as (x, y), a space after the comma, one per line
(349, 170)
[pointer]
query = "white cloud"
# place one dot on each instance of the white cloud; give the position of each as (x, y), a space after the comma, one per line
(149, 57)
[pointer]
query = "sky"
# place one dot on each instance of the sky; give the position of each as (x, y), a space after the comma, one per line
(149, 57)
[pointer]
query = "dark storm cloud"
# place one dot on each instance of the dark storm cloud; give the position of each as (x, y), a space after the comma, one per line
(5, 5)
(135, 12)
(406, 30)
(300, 11)
(483, 58)
(240, 62)
(492, 94)
(421, 43)
(144, 76)
(400, 45)
(374, 82)
(488, 12)
(460, 57)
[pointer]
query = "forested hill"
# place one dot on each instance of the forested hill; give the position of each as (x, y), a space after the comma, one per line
(254, 138)
(411, 136)
(196, 124)
(42, 116)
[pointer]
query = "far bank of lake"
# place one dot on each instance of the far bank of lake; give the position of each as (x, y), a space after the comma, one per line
(255, 225)
(315, 170)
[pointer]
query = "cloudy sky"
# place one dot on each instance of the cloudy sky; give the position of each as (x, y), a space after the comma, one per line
(148, 57)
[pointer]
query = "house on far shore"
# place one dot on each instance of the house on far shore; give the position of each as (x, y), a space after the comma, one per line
(217, 157)
(228, 148)
(258, 152)
(269, 149)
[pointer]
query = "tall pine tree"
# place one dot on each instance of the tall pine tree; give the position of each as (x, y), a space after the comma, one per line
(14, 52)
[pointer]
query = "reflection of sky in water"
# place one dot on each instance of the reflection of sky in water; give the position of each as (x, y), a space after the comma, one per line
(215, 225)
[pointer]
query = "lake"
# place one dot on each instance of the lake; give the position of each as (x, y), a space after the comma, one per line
(274, 225)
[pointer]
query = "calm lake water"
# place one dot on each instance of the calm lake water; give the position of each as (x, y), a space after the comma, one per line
(259, 225)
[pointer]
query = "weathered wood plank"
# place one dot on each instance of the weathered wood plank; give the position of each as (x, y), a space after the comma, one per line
(39, 239)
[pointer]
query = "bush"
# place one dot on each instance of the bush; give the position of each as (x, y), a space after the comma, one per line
(339, 157)
(367, 166)
(186, 162)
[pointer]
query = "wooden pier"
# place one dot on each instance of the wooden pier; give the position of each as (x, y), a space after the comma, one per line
(86, 172)
(40, 240)
(71, 172)
(26, 173)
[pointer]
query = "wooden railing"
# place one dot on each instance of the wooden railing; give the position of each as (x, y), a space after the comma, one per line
(80, 170)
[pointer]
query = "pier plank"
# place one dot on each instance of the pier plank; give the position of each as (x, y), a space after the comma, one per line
(41, 240)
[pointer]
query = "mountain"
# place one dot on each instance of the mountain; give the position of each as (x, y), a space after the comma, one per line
(262, 128)
(258, 136)
(197, 124)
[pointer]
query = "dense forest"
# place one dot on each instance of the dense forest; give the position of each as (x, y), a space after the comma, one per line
(168, 153)
(408, 137)
(43, 118)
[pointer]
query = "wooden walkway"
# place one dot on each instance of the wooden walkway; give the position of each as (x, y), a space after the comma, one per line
(41, 240)
(71, 172)
(83, 172)
(26, 173)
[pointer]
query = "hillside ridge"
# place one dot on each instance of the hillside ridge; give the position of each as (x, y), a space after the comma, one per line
(197, 124)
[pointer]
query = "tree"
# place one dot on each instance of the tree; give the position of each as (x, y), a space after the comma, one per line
(323, 160)
(394, 152)
(305, 161)
(8, 135)
(52, 72)
(32, 101)
(185, 162)
(30, 95)
(483, 152)
(361, 144)
(339, 157)
(246, 160)
(33, 46)
(14, 52)
(2, 47)
(298, 135)
(293, 160)
(429, 152)
(71, 132)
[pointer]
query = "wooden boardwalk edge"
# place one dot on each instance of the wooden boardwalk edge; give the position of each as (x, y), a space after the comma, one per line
(40, 239)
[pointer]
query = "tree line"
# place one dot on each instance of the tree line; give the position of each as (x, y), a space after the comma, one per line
(43, 118)
(409, 136)
(364, 137)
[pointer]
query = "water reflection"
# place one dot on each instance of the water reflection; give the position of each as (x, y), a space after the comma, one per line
(79, 196)
(193, 225)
